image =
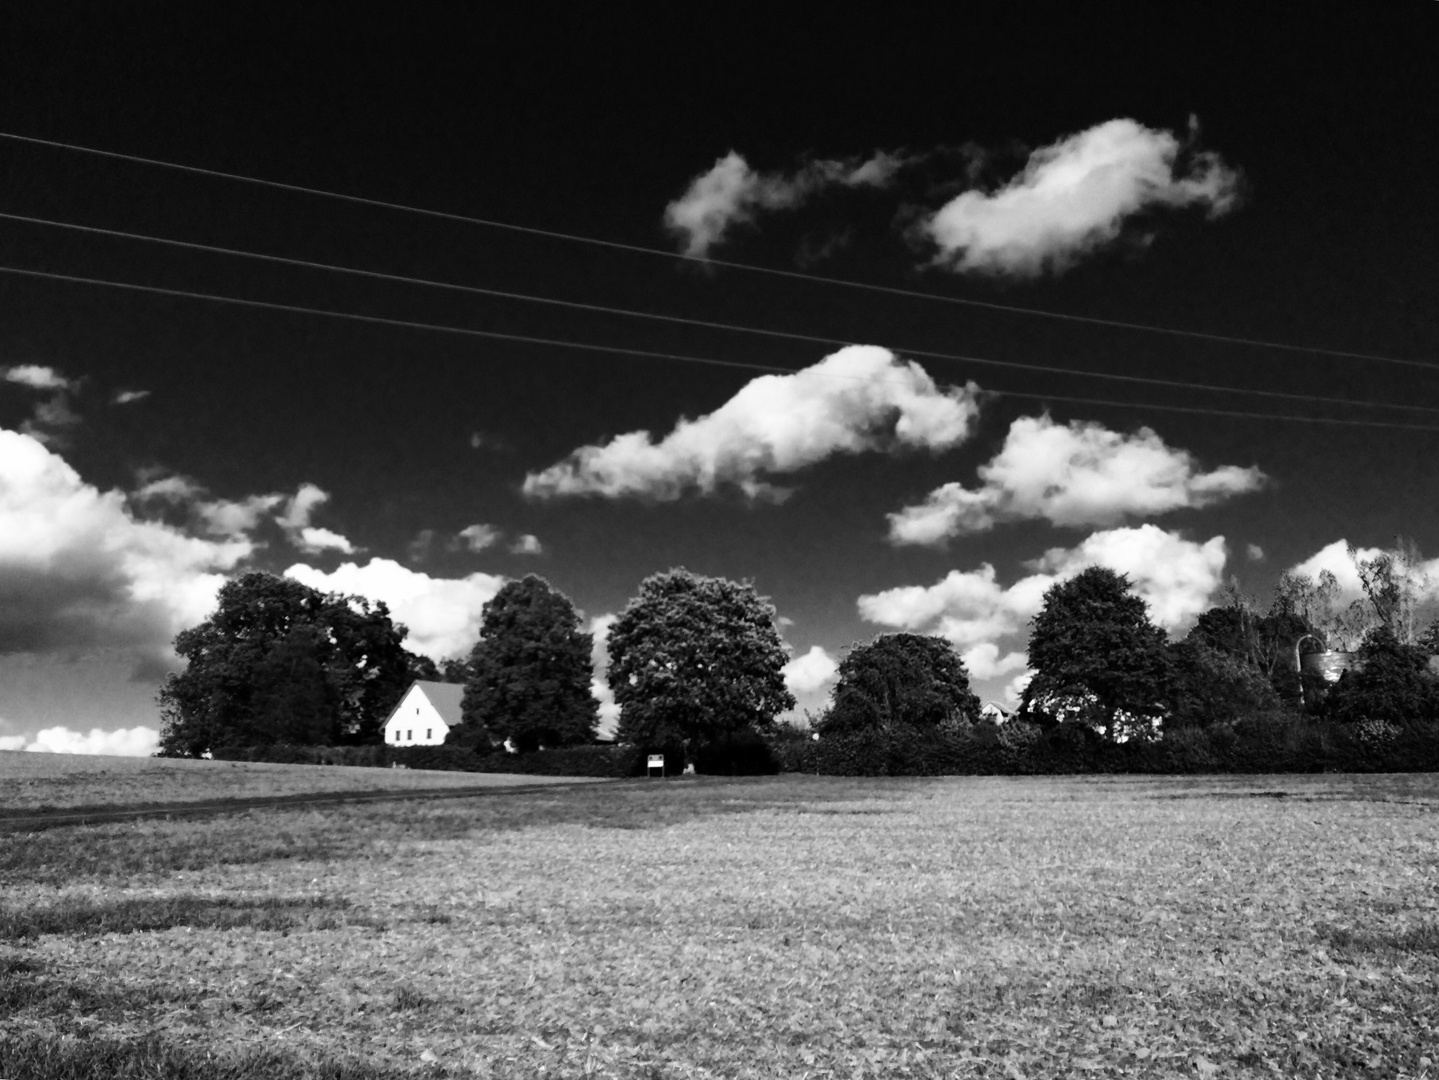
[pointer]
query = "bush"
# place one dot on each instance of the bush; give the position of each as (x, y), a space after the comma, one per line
(611, 760)
(1276, 741)
(1392, 683)
(742, 753)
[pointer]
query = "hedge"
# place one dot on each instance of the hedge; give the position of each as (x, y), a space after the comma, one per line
(1262, 744)
(594, 760)
(1268, 743)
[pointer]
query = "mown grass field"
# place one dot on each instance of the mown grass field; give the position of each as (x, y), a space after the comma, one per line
(31, 782)
(790, 926)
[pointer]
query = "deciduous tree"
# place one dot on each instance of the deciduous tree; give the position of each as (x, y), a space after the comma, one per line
(693, 658)
(529, 674)
(279, 661)
(901, 680)
(1097, 658)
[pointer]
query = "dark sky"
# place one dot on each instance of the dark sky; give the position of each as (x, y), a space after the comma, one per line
(590, 123)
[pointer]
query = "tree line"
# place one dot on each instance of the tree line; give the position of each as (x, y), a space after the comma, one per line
(696, 660)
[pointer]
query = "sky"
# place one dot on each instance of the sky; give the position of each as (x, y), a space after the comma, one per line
(985, 295)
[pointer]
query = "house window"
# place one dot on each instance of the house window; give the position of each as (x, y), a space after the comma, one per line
(410, 735)
(427, 732)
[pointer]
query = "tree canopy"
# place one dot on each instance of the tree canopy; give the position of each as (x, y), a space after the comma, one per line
(1096, 656)
(901, 680)
(279, 661)
(694, 657)
(529, 674)
(1391, 683)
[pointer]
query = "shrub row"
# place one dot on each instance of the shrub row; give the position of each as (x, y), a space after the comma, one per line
(1262, 744)
(595, 760)
(1268, 743)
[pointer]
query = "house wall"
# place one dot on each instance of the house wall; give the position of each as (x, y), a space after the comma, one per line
(415, 723)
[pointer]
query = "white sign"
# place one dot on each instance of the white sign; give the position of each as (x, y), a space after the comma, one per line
(657, 761)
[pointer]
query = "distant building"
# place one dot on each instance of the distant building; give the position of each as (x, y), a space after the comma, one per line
(425, 714)
(995, 712)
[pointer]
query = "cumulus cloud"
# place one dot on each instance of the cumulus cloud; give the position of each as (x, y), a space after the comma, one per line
(972, 609)
(37, 377)
(1174, 576)
(1014, 689)
(609, 709)
(984, 661)
(1336, 559)
(1254, 553)
(478, 537)
(125, 742)
(295, 520)
(218, 517)
(1070, 474)
(1074, 197)
(811, 672)
(443, 614)
(528, 544)
(732, 193)
(79, 571)
(127, 397)
(858, 399)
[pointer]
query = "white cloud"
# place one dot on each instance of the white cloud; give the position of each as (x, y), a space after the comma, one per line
(528, 544)
(126, 742)
(218, 517)
(1070, 474)
(37, 377)
(1074, 197)
(809, 673)
(858, 399)
(1336, 559)
(1174, 576)
(126, 397)
(296, 522)
(599, 628)
(732, 193)
(12, 742)
(984, 661)
(227, 517)
(1014, 689)
(478, 537)
(1254, 553)
(443, 614)
(79, 571)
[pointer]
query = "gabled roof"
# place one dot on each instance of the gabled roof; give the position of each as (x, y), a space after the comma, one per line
(445, 697)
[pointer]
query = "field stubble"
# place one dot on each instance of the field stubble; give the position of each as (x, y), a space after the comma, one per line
(778, 927)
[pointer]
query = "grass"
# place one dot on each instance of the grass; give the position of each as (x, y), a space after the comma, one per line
(784, 926)
(41, 782)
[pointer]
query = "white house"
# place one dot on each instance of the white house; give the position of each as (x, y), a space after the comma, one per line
(425, 714)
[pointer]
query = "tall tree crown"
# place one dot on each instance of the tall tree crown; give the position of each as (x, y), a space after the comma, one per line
(693, 657)
(529, 674)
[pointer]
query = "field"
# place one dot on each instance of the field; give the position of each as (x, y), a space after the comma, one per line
(789, 926)
(31, 782)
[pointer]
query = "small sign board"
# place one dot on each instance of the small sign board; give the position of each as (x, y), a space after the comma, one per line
(656, 761)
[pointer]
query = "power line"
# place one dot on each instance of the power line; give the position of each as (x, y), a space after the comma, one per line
(616, 350)
(753, 268)
(574, 305)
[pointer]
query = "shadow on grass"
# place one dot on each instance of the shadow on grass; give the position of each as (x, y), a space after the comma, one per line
(1351, 945)
(39, 1057)
(133, 914)
(157, 848)
(111, 852)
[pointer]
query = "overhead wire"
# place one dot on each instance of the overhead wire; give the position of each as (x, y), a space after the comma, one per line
(754, 268)
(496, 335)
(575, 305)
